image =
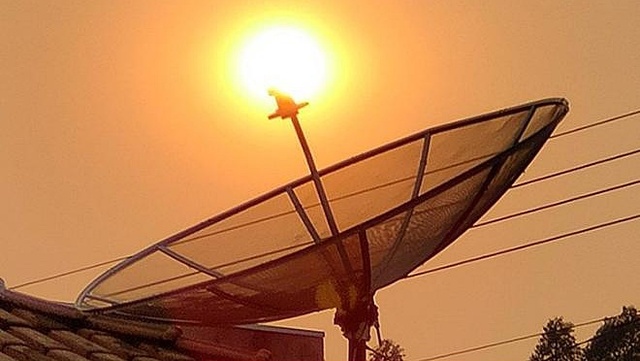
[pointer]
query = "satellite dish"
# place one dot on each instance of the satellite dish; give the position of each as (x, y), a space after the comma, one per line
(278, 256)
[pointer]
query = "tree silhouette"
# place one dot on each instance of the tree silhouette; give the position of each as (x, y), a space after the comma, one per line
(387, 351)
(557, 343)
(618, 339)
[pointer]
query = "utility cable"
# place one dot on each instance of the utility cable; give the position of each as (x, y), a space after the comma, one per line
(576, 168)
(555, 204)
(597, 336)
(595, 124)
(495, 220)
(524, 246)
(505, 342)
(68, 273)
(551, 239)
(612, 329)
(558, 135)
(522, 338)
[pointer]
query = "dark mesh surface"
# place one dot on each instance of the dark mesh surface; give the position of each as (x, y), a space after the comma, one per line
(367, 188)
(429, 223)
(274, 257)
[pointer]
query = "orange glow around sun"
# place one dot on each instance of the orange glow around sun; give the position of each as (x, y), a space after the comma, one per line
(302, 54)
(284, 57)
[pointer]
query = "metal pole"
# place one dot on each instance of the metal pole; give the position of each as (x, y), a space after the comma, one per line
(357, 347)
(357, 350)
(315, 176)
(287, 108)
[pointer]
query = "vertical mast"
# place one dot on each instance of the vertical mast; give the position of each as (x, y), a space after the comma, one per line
(287, 108)
(355, 321)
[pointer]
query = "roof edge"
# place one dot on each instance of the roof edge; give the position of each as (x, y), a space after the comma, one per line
(109, 323)
(129, 327)
(33, 303)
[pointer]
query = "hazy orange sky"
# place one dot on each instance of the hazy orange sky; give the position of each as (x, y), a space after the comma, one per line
(121, 125)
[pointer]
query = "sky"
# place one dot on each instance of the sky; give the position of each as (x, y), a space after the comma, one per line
(123, 123)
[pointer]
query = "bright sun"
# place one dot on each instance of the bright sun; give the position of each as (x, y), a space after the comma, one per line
(283, 57)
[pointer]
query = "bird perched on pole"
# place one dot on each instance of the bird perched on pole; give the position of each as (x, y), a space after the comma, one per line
(287, 107)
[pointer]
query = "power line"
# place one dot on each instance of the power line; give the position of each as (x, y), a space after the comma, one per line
(530, 336)
(613, 328)
(576, 168)
(592, 125)
(477, 225)
(68, 273)
(547, 240)
(504, 342)
(495, 220)
(595, 124)
(597, 336)
(524, 246)
(555, 204)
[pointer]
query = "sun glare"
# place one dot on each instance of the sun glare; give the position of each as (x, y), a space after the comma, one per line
(283, 57)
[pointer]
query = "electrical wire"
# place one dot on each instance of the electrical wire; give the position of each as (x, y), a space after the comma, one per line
(577, 168)
(551, 239)
(558, 135)
(504, 342)
(68, 273)
(524, 246)
(532, 244)
(597, 336)
(595, 124)
(477, 225)
(523, 338)
(474, 259)
(614, 328)
(555, 204)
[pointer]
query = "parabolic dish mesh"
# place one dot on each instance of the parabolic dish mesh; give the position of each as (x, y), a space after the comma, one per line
(274, 257)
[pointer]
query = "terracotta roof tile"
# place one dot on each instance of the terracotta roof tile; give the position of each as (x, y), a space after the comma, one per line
(35, 304)
(36, 339)
(88, 333)
(118, 346)
(77, 343)
(65, 355)
(4, 357)
(39, 320)
(135, 328)
(25, 353)
(105, 357)
(164, 353)
(7, 339)
(33, 330)
(36, 330)
(7, 319)
(144, 358)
